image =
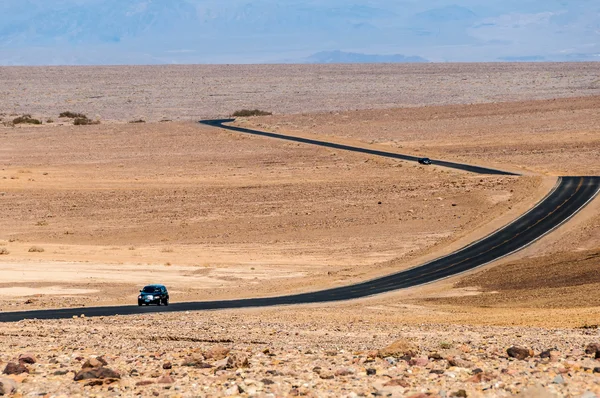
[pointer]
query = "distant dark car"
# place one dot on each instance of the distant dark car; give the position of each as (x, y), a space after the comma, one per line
(154, 294)
(424, 161)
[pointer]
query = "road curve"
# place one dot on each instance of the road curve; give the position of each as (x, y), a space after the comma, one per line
(459, 166)
(569, 196)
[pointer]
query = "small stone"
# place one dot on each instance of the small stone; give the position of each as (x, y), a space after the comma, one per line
(460, 363)
(597, 369)
(196, 363)
(390, 360)
(267, 382)
(15, 369)
(27, 358)
(478, 378)
(165, 380)
(397, 383)
(97, 373)
(93, 363)
(233, 390)
(419, 362)
(217, 353)
(326, 375)
(399, 349)
(592, 348)
(142, 383)
(94, 383)
(344, 372)
(520, 353)
(7, 386)
(545, 353)
(371, 372)
(558, 380)
(459, 393)
(167, 365)
(61, 372)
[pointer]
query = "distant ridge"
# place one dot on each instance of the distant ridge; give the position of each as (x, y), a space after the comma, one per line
(341, 57)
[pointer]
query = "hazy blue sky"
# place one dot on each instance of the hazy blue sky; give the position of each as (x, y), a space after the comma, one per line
(247, 31)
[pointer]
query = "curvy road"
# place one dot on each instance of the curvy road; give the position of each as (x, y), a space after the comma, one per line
(569, 196)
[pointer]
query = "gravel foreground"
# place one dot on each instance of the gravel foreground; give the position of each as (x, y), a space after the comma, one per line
(250, 354)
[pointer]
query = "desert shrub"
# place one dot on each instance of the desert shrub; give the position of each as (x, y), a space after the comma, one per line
(249, 112)
(84, 121)
(36, 249)
(4, 251)
(26, 119)
(138, 121)
(72, 115)
(49, 121)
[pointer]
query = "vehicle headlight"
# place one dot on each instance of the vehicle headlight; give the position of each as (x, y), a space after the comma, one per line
(139, 297)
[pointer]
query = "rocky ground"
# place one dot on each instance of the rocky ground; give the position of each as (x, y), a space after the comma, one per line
(90, 213)
(257, 354)
(190, 92)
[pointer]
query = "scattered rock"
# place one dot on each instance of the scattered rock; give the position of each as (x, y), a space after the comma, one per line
(558, 380)
(592, 348)
(397, 383)
(371, 372)
(7, 386)
(520, 353)
(458, 362)
(400, 349)
(196, 363)
(142, 383)
(326, 375)
(232, 362)
(93, 363)
(61, 372)
(27, 358)
(459, 393)
(167, 365)
(419, 362)
(216, 353)
(390, 360)
(96, 373)
(344, 372)
(15, 369)
(166, 379)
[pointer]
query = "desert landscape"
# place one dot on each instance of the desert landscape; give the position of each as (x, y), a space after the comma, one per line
(144, 194)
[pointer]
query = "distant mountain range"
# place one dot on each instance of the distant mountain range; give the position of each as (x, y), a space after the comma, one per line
(258, 31)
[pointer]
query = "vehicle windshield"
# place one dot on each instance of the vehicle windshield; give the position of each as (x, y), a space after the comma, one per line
(151, 289)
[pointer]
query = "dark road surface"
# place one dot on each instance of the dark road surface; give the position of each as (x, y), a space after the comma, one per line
(452, 165)
(570, 195)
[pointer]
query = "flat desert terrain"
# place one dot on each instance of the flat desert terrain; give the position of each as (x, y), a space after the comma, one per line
(90, 214)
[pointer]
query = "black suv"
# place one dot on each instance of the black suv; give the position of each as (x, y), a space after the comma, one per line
(424, 161)
(154, 294)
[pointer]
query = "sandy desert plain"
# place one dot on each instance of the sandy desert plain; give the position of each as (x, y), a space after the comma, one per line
(89, 214)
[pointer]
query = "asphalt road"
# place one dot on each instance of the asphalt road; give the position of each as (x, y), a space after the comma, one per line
(570, 195)
(460, 166)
